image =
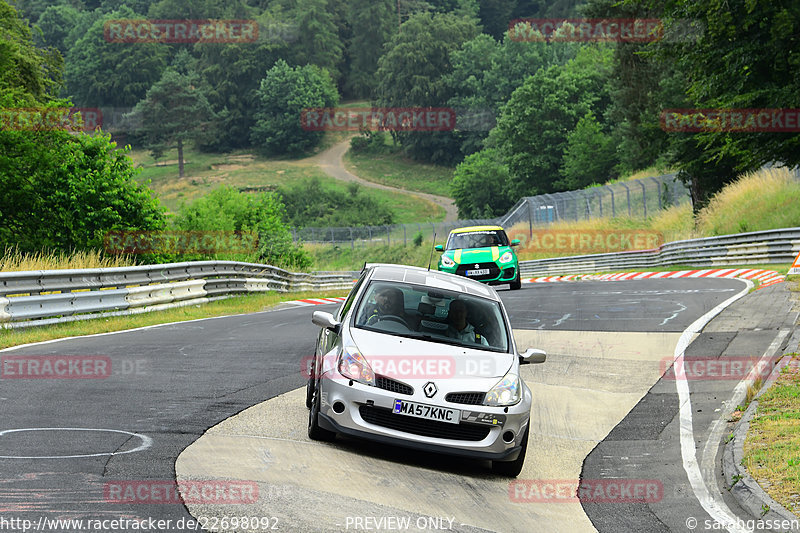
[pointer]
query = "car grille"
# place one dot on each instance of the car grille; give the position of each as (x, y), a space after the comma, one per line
(469, 398)
(493, 270)
(419, 426)
(391, 385)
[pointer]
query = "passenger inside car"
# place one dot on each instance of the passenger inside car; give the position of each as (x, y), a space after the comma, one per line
(459, 326)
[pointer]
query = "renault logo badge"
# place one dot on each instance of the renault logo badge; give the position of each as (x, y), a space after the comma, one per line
(429, 389)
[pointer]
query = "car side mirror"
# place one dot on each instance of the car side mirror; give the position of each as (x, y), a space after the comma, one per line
(515, 242)
(532, 355)
(439, 248)
(325, 320)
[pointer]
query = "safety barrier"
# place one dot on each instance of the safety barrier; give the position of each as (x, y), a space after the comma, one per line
(50, 296)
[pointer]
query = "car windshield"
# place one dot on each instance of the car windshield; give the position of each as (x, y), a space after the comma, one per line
(435, 315)
(477, 239)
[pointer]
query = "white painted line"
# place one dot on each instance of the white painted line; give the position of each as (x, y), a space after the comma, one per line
(712, 503)
(146, 443)
(700, 273)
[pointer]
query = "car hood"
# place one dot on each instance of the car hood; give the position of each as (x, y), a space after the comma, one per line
(391, 355)
(478, 255)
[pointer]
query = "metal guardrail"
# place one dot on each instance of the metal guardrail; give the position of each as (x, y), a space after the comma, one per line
(50, 296)
(772, 246)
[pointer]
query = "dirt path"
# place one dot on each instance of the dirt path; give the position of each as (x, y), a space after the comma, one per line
(330, 161)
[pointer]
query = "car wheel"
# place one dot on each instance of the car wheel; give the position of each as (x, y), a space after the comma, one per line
(512, 468)
(517, 283)
(315, 432)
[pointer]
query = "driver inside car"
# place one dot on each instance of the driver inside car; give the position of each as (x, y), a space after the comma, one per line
(459, 327)
(389, 303)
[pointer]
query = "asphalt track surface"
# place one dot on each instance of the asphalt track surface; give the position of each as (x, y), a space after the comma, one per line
(171, 383)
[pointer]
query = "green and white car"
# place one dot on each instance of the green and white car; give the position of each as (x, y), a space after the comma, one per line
(482, 253)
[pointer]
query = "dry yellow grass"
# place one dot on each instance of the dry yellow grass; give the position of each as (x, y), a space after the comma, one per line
(762, 200)
(13, 260)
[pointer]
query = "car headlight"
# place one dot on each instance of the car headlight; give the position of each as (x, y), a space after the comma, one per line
(506, 257)
(447, 262)
(507, 391)
(353, 365)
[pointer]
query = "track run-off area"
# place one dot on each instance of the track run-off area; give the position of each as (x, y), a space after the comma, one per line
(222, 400)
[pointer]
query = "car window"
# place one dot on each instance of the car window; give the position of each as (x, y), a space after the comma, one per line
(345, 307)
(420, 312)
(477, 239)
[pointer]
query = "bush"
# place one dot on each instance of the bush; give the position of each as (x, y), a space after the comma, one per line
(480, 185)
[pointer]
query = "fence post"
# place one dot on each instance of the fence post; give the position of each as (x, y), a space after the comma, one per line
(644, 197)
(613, 207)
(388, 237)
(333, 241)
(352, 242)
(530, 217)
(370, 234)
(405, 242)
(599, 201)
(659, 185)
(628, 195)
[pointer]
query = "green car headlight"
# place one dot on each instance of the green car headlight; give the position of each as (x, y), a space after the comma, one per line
(447, 262)
(506, 257)
(507, 392)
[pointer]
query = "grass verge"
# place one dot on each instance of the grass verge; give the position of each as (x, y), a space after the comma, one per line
(395, 170)
(772, 447)
(12, 260)
(250, 303)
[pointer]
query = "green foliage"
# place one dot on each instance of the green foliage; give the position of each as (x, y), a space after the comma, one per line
(28, 75)
(374, 23)
(226, 209)
(64, 192)
(174, 111)
(309, 203)
(589, 157)
(56, 23)
(532, 132)
(480, 185)
(318, 42)
(405, 80)
(284, 93)
(100, 73)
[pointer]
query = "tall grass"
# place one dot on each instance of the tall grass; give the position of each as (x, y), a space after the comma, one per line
(767, 199)
(13, 260)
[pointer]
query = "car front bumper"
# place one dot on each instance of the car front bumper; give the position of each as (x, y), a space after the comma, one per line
(359, 400)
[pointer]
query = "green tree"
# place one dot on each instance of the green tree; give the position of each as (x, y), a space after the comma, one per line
(309, 203)
(56, 23)
(374, 24)
(65, 192)
(480, 185)
(283, 95)
(412, 73)
(28, 75)
(589, 157)
(532, 131)
(101, 73)
(226, 209)
(173, 112)
(231, 75)
(318, 42)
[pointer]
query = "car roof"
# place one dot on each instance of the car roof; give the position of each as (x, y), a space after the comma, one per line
(467, 229)
(429, 278)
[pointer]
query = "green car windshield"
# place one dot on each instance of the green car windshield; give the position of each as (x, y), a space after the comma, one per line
(477, 239)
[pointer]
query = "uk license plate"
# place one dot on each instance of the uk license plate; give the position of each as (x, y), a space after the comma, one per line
(428, 412)
(478, 272)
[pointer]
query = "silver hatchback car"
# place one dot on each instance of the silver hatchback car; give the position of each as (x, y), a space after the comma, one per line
(424, 360)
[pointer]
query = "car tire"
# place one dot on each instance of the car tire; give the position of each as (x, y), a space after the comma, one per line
(517, 283)
(512, 468)
(315, 432)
